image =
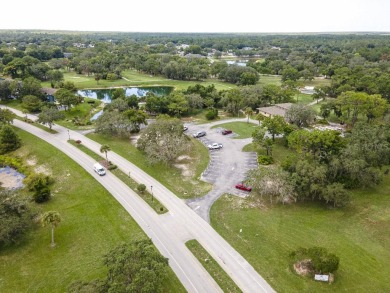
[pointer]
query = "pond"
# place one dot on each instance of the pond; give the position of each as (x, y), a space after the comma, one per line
(237, 62)
(105, 95)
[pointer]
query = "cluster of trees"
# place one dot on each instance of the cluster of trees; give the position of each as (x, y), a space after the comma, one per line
(352, 61)
(351, 106)
(16, 216)
(9, 140)
(199, 97)
(29, 92)
(164, 140)
(133, 267)
(327, 164)
(122, 116)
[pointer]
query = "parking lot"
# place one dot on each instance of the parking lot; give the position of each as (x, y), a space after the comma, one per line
(227, 167)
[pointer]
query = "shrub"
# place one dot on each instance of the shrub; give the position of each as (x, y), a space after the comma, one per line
(37, 182)
(211, 114)
(265, 160)
(9, 140)
(141, 188)
(323, 122)
(42, 195)
(112, 167)
(321, 261)
(111, 76)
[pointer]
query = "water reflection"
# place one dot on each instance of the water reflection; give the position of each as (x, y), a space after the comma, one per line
(105, 95)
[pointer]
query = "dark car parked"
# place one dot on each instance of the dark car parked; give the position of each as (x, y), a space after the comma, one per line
(226, 131)
(243, 187)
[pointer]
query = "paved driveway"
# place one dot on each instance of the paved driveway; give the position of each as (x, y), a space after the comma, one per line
(228, 166)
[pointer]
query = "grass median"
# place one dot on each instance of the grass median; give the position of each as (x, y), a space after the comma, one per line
(214, 269)
(125, 178)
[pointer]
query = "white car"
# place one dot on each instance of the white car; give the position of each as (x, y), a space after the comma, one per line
(215, 146)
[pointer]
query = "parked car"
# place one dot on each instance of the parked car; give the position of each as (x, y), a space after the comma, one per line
(243, 187)
(215, 146)
(226, 131)
(199, 134)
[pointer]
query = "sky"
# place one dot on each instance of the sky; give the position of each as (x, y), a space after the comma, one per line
(245, 16)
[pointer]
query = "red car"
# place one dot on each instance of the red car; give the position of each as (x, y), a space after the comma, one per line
(226, 131)
(243, 187)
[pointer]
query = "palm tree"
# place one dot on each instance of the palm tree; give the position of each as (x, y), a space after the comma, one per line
(105, 149)
(248, 111)
(51, 218)
(260, 117)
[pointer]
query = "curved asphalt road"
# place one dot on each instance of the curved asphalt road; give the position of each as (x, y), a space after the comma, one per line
(170, 231)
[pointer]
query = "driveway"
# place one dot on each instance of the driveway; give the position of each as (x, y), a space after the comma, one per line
(227, 167)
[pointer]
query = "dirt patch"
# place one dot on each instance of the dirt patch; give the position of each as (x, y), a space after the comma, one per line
(38, 169)
(183, 163)
(303, 267)
(134, 139)
(183, 157)
(185, 170)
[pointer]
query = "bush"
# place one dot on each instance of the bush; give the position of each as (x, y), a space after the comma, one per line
(141, 188)
(37, 182)
(43, 195)
(9, 140)
(111, 76)
(112, 167)
(323, 122)
(211, 114)
(321, 261)
(265, 160)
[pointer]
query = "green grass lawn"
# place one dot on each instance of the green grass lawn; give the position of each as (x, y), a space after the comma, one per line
(135, 78)
(270, 79)
(303, 98)
(279, 150)
(241, 129)
(82, 112)
(170, 176)
(317, 82)
(359, 235)
(93, 222)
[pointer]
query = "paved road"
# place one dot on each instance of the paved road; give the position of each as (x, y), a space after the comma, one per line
(168, 232)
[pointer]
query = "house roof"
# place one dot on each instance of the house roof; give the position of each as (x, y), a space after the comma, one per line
(277, 109)
(48, 90)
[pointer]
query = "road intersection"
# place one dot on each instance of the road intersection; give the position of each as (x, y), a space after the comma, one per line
(170, 231)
